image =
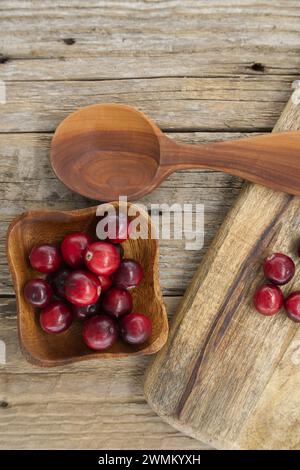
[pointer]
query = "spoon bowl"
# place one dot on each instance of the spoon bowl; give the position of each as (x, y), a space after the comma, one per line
(105, 151)
(102, 151)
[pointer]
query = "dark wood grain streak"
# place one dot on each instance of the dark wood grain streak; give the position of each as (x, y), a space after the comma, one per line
(243, 272)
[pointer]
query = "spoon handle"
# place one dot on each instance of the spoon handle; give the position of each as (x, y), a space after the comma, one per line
(272, 160)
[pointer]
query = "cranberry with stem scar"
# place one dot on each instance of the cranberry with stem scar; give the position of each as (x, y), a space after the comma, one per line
(45, 258)
(38, 292)
(292, 306)
(82, 288)
(102, 258)
(99, 332)
(136, 328)
(268, 299)
(117, 302)
(279, 268)
(73, 246)
(56, 318)
(128, 275)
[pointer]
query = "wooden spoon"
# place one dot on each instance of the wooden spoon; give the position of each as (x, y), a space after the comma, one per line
(106, 150)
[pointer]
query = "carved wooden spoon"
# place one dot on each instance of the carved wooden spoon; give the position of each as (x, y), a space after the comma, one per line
(106, 150)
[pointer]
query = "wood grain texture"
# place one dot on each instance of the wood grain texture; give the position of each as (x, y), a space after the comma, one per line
(221, 29)
(224, 104)
(236, 61)
(222, 359)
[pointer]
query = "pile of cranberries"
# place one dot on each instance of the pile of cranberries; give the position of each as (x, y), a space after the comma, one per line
(90, 281)
(268, 299)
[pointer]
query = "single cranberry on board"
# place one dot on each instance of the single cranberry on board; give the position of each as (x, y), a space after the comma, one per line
(82, 288)
(56, 318)
(128, 275)
(45, 258)
(73, 246)
(268, 299)
(105, 282)
(99, 332)
(117, 302)
(292, 306)
(279, 268)
(58, 280)
(86, 311)
(116, 230)
(38, 292)
(136, 328)
(102, 258)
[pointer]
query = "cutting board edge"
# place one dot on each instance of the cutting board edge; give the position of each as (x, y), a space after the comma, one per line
(189, 430)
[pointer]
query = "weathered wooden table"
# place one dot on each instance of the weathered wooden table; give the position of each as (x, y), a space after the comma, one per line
(203, 70)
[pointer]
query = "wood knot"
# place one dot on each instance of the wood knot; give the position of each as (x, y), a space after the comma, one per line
(3, 404)
(257, 67)
(69, 41)
(3, 59)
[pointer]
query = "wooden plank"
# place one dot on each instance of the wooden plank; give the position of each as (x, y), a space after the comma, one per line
(138, 27)
(227, 375)
(195, 65)
(174, 103)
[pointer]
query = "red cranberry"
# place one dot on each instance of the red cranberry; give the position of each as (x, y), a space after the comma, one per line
(136, 328)
(128, 275)
(116, 229)
(38, 292)
(117, 302)
(279, 268)
(99, 332)
(82, 288)
(292, 306)
(55, 318)
(105, 282)
(87, 311)
(268, 299)
(45, 258)
(73, 246)
(58, 280)
(102, 258)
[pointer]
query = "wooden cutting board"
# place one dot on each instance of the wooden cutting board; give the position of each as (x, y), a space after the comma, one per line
(229, 376)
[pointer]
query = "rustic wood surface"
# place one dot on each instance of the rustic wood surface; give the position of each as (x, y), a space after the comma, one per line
(227, 375)
(204, 71)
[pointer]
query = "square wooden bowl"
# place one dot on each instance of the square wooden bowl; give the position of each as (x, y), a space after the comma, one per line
(38, 227)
